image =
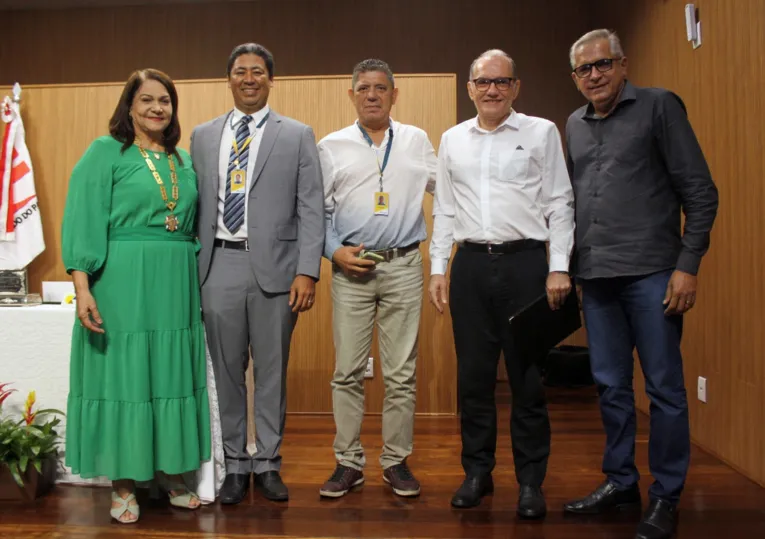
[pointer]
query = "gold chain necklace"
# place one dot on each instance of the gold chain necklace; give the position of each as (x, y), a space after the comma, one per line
(171, 221)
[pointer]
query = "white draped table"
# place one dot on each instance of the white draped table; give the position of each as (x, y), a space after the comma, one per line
(34, 356)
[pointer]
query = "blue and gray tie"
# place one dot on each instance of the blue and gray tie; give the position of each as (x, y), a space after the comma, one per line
(233, 206)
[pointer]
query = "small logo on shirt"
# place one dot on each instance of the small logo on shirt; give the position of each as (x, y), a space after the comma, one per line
(519, 147)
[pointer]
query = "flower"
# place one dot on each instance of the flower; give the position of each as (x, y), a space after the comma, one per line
(5, 393)
(27, 441)
(29, 417)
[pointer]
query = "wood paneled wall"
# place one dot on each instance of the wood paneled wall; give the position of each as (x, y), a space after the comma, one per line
(307, 37)
(721, 84)
(61, 121)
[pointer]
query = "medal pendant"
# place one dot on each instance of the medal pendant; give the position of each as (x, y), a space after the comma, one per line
(171, 223)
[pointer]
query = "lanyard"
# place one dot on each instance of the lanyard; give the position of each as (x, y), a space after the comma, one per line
(380, 167)
(246, 143)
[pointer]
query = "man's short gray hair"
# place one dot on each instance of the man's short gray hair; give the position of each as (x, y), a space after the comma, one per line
(595, 35)
(490, 54)
(372, 64)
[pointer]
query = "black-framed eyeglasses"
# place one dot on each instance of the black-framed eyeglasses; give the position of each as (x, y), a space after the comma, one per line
(502, 83)
(603, 65)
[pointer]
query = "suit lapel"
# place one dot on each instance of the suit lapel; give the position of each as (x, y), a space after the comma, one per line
(213, 149)
(270, 132)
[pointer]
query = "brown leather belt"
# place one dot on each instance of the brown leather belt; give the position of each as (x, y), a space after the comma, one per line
(395, 252)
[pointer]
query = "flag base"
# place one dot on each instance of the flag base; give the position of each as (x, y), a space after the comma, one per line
(13, 289)
(18, 300)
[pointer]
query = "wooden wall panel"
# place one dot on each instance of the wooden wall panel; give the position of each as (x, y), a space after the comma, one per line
(721, 84)
(307, 37)
(80, 113)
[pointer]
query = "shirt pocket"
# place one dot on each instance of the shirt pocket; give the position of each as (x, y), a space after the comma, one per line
(516, 168)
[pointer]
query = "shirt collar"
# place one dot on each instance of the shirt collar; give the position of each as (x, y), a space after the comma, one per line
(511, 121)
(628, 94)
(237, 115)
(393, 124)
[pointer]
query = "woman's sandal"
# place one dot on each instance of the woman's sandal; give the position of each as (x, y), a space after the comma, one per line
(181, 496)
(124, 506)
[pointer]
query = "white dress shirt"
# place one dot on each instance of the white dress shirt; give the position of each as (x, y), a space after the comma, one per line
(352, 177)
(502, 185)
(229, 132)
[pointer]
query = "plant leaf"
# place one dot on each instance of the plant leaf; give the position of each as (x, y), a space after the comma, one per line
(37, 465)
(23, 461)
(14, 467)
(50, 411)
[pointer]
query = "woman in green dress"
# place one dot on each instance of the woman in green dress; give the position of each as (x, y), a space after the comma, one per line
(137, 407)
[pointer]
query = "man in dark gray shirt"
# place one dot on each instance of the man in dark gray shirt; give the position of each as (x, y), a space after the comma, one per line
(635, 164)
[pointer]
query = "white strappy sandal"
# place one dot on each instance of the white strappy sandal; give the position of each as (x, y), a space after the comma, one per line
(124, 507)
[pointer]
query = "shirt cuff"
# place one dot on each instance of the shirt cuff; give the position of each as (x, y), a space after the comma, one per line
(688, 262)
(330, 246)
(438, 266)
(559, 262)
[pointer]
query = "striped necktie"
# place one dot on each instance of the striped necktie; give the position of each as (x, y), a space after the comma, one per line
(233, 206)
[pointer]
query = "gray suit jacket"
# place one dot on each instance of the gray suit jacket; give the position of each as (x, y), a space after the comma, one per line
(285, 214)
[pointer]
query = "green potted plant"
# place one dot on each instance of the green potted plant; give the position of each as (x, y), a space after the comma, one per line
(28, 450)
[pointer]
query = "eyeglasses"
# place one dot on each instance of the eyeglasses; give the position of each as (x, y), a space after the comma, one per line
(603, 65)
(502, 83)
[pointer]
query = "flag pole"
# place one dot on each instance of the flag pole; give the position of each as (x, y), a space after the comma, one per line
(17, 99)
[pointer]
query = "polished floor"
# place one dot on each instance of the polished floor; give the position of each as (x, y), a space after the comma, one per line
(718, 502)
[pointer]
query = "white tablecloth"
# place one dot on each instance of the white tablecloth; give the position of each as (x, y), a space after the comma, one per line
(34, 355)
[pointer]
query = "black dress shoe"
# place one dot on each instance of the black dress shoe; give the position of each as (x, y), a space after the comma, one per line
(531, 502)
(472, 490)
(659, 521)
(234, 488)
(605, 498)
(270, 485)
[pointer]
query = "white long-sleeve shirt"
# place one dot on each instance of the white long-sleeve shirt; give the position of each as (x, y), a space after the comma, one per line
(502, 185)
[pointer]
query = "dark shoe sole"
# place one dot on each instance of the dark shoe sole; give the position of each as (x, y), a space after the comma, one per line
(340, 493)
(632, 506)
(271, 496)
(403, 493)
(226, 500)
(477, 502)
(530, 514)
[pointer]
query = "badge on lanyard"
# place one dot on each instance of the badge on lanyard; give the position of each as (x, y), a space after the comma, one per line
(381, 203)
(238, 176)
(238, 180)
(382, 198)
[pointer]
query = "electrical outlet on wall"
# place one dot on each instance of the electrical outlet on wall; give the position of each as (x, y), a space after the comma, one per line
(370, 372)
(702, 389)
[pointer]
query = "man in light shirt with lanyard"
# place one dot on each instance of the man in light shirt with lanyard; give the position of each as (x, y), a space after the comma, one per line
(376, 172)
(502, 192)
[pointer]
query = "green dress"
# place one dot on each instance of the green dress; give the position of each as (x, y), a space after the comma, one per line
(138, 392)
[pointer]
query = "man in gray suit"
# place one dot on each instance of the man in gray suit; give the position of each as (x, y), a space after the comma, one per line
(261, 228)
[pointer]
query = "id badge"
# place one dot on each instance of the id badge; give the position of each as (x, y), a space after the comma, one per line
(238, 180)
(381, 203)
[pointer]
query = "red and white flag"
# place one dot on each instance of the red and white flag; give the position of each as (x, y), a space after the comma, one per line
(21, 235)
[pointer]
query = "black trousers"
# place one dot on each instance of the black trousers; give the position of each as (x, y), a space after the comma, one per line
(485, 290)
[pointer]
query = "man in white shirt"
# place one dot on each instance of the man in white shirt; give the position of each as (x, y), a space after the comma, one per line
(502, 191)
(376, 172)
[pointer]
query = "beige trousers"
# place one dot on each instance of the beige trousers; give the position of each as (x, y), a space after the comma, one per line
(392, 294)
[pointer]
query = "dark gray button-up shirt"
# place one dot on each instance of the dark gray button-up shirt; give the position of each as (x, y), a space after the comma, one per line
(632, 172)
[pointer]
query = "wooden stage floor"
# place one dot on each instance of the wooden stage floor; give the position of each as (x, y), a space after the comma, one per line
(718, 503)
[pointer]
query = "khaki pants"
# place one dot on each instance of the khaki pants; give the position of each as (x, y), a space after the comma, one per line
(393, 292)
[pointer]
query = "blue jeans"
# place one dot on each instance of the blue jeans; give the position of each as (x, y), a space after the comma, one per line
(622, 313)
